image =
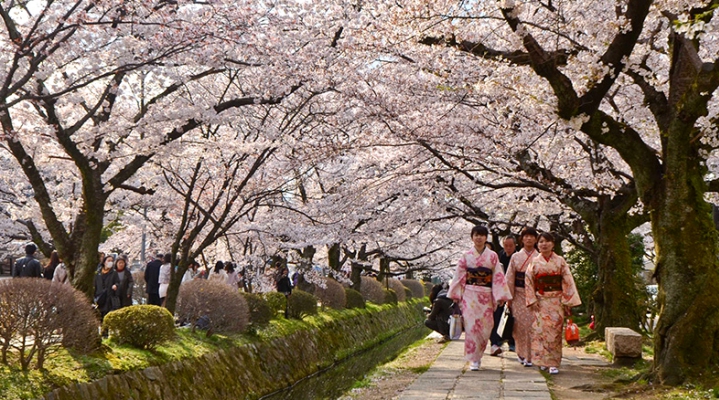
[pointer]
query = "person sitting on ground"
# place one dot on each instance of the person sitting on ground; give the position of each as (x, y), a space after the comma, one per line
(442, 309)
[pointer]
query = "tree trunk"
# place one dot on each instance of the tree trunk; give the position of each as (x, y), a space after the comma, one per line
(85, 255)
(383, 270)
(333, 256)
(616, 299)
(685, 338)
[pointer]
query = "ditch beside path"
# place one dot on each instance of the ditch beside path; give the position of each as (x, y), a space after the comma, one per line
(500, 377)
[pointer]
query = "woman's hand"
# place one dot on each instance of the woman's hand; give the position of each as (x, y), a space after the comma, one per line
(114, 287)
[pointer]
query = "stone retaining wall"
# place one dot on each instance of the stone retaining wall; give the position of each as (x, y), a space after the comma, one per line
(253, 370)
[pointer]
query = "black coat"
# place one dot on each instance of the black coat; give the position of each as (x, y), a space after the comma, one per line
(27, 266)
(109, 300)
(152, 277)
(284, 285)
(125, 288)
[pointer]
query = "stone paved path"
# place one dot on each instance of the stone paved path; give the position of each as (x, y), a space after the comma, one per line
(500, 377)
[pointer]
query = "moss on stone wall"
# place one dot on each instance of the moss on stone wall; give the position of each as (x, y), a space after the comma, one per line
(256, 369)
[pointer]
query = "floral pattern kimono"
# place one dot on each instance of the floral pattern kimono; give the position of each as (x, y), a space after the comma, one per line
(550, 285)
(523, 317)
(478, 286)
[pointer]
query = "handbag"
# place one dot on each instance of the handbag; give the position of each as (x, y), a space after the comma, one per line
(571, 333)
(101, 299)
(503, 321)
(455, 326)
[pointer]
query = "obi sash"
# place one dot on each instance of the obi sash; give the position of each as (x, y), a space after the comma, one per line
(519, 279)
(480, 276)
(549, 283)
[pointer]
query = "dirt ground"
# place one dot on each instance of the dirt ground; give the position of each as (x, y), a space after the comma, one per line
(387, 381)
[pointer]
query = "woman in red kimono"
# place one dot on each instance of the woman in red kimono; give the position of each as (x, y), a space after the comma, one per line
(479, 286)
(550, 291)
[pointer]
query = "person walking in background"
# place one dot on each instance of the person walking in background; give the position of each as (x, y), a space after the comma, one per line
(218, 273)
(164, 277)
(106, 288)
(61, 274)
(478, 286)
(126, 282)
(284, 286)
(523, 317)
(551, 292)
(233, 278)
(49, 271)
(152, 280)
(509, 245)
(28, 266)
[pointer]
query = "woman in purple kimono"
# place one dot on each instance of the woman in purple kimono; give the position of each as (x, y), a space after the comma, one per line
(479, 286)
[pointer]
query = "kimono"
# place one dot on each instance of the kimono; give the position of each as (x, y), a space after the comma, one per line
(478, 286)
(523, 317)
(549, 284)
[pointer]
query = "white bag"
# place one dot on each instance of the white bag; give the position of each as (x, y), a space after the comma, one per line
(503, 321)
(455, 326)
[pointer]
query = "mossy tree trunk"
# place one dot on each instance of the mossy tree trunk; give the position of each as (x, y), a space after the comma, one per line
(616, 299)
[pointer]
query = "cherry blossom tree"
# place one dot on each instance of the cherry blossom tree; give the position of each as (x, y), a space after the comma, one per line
(636, 76)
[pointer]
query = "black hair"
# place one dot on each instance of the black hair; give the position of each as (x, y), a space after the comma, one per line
(167, 258)
(219, 266)
(479, 230)
(547, 236)
(30, 249)
(434, 292)
(528, 230)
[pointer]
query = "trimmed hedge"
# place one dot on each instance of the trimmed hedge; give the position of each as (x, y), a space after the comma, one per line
(398, 288)
(276, 301)
(390, 296)
(212, 305)
(416, 287)
(407, 293)
(354, 299)
(141, 326)
(301, 304)
(333, 295)
(372, 290)
(428, 287)
(260, 311)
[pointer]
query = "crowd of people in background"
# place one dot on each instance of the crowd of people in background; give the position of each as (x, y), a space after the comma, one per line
(534, 282)
(114, 283)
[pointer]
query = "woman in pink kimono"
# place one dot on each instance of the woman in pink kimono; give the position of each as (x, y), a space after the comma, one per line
(523, 316)
(550, 292)
(478, 287)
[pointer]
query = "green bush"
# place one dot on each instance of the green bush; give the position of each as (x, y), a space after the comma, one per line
(372, 290)
(260, 311)
(276, 301)
(407, 293)
(354, 299)
(301, 304)
(141, 326)
(390, 296)
(332, 295)
(398, 288)
(416, 287)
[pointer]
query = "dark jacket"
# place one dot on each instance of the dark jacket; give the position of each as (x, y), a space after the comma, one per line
(441, 309)
(504, 259)
(109, 301)
(125, 287)
(152, 277)
(27, 266)
(284, 285)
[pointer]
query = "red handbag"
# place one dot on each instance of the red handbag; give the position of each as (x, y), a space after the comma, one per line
(571, 333)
